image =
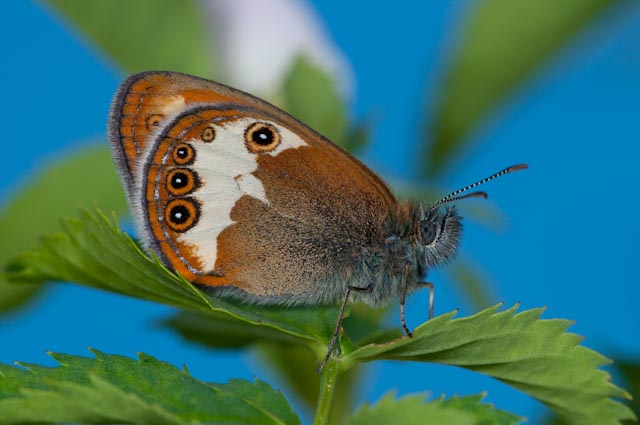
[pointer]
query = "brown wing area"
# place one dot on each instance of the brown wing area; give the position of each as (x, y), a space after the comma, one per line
(325, 212)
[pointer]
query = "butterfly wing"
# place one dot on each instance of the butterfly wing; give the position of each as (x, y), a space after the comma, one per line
(240, 197)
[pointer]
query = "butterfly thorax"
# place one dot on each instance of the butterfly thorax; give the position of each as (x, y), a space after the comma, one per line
(413, 241)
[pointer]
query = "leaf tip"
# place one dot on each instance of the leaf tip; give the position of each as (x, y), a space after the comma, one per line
(58, 357)
(51, 354)
(146, 358)
(97, 353)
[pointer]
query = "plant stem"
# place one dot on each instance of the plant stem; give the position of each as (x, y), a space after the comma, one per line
(328, 380)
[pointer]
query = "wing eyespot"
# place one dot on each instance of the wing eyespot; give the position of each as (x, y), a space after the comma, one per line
(261, 137)
(182, 181)
(183, 154)
(182, 214)
(154, 120)
(208, 134)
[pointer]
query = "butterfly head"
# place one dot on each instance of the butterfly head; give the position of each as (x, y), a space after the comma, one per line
(440, 229)
(439, 233)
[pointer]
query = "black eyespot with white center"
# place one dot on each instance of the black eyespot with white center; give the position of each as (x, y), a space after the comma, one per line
(261, 137)
(179, 180)
(183, 154)
(182, 181)
(264, 136)
(182, 214)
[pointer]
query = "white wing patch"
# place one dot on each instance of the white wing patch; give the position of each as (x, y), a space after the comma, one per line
(224, 167)
(249, 184)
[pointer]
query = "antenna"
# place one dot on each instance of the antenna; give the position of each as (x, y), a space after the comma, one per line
(452, 196)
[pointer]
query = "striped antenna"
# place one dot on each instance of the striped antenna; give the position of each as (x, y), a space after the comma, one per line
(453, 195)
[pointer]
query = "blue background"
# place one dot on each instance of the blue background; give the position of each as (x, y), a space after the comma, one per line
(567, 240)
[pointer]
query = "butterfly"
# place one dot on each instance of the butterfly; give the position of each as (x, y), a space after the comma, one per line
(248, 203)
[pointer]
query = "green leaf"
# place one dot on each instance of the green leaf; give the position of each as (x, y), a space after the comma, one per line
(503, 44)
(533, 355)
(94, 252)
(221, 331)
(37, 207)
(144, 34)
(116, 389)
(484, 413)
(286, 357)
(629, 371)
(310, 95)
(412, 409)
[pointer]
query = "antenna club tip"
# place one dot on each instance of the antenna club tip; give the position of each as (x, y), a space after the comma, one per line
(479, 194)
(517, 167)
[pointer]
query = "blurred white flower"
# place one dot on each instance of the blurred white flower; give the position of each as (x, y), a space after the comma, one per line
(257, 41)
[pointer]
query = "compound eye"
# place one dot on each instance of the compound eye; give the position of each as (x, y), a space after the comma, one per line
(428, 231)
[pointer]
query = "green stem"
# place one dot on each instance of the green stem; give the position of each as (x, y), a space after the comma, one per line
(328, 381)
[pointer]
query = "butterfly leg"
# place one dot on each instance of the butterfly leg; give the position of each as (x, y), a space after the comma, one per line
(336, 330)
(405, 288)
(431, 297)
(402, 301)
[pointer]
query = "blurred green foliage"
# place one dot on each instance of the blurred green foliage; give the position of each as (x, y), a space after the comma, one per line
(144, 34)
(310, 95)
(21, 218)
(502, 45)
